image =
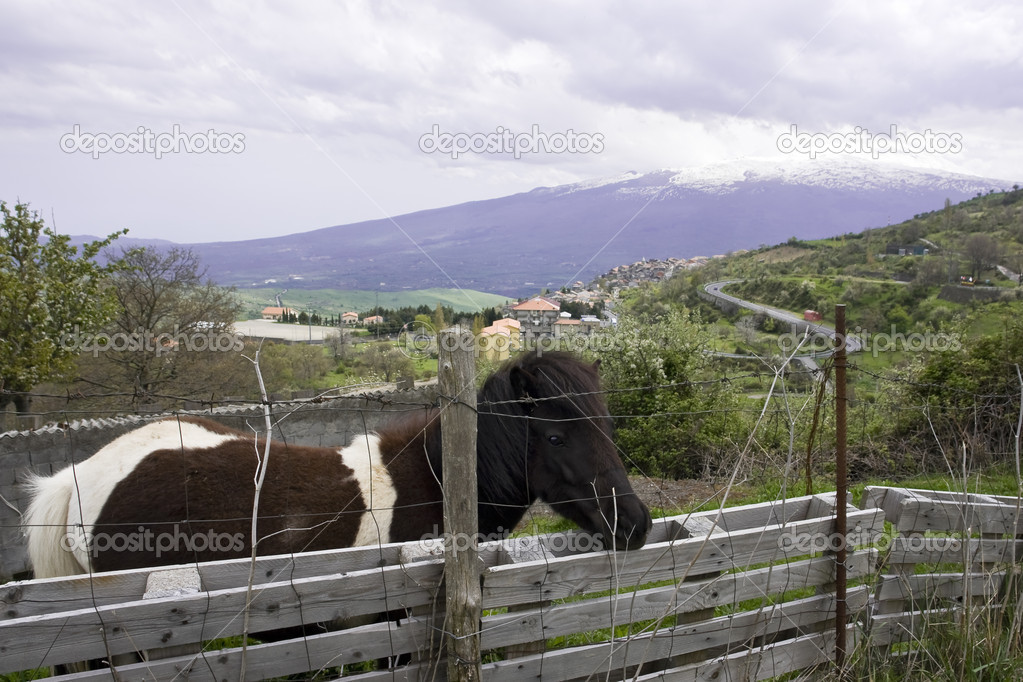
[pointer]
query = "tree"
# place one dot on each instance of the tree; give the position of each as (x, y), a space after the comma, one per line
(438, 318)
(173, 325)
(746, 328)
(982, 252)
(50, 297)
(666, 425)
(387, 360)
(966, 389)
(1016, 261)
(931, 272)
(339, 342)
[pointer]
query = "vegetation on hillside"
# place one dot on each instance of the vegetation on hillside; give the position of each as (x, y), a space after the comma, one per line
(680, 409)
(938, 372)
(668, 422)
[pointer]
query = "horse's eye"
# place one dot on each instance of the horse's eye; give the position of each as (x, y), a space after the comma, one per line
(555, 440)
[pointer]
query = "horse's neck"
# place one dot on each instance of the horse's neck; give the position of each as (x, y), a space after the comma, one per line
(502, 486)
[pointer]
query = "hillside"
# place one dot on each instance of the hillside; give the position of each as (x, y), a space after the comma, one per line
(980, 238)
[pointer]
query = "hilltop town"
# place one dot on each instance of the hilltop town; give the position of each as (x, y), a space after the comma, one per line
(606, 287)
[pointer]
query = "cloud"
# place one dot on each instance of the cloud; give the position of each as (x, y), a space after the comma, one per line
(332, 98)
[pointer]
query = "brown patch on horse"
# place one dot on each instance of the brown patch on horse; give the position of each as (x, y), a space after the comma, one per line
(406, 448)
(189, 505)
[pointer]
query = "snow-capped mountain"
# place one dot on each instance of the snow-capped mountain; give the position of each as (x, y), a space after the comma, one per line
(551, 236)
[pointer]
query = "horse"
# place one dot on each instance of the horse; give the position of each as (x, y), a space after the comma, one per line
(180, 489)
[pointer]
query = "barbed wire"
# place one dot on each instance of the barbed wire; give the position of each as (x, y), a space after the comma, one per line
(136, 397)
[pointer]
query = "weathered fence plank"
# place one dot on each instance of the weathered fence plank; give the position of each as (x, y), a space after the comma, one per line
(739, 631)
(936, 528)
(760, 663)
(570, 576)
(154, 623)
(276, 659)
(664, 602)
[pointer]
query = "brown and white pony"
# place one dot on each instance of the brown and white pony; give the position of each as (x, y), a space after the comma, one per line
(180, 490)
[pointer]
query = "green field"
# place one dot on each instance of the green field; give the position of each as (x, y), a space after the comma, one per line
(336, 301)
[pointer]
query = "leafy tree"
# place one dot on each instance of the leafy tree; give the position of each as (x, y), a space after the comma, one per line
(931, 272)
(439, 321)
(173, 323)
(290, 366)
(746, 328)
(50, 296)
(969, 392)
(578, 309)
(666, 425)
(388, 361)
(339, 343)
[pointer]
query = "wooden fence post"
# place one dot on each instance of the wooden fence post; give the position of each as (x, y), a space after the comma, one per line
(456, 372)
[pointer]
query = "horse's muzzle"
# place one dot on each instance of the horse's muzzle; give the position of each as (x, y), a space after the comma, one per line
(630, 523)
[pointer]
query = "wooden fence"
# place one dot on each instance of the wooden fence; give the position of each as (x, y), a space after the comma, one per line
(718, 586)
(743, 593)
(952, 556)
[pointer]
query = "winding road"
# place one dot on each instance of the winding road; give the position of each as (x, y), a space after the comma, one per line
(714, 289)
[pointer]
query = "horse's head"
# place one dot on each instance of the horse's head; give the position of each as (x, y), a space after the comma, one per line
(573, 464)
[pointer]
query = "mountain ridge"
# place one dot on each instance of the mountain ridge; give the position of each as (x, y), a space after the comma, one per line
(551, 236)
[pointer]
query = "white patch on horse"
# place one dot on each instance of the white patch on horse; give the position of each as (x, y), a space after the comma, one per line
(94, 480)
(377, 488)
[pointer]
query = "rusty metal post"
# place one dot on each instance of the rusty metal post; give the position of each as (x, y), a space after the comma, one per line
(841, 487)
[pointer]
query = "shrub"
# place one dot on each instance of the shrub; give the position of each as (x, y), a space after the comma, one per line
(667, 421)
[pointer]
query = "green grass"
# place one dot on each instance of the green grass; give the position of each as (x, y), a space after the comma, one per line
(992, 318)
(26, 675)
(994, 480)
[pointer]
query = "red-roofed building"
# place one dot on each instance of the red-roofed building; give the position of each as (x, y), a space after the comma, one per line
(275, 313)
(537, 317)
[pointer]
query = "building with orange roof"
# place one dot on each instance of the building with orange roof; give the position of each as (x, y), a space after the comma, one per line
(275, 313)
(536, 317)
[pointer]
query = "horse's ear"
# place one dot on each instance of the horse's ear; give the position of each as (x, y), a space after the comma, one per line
(596, 365)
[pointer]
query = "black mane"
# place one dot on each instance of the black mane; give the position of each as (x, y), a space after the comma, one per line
(503, 416)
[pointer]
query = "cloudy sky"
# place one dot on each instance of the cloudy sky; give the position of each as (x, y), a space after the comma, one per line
(235, 120)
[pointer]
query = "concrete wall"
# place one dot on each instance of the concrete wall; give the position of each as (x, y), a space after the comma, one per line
(331, 423)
